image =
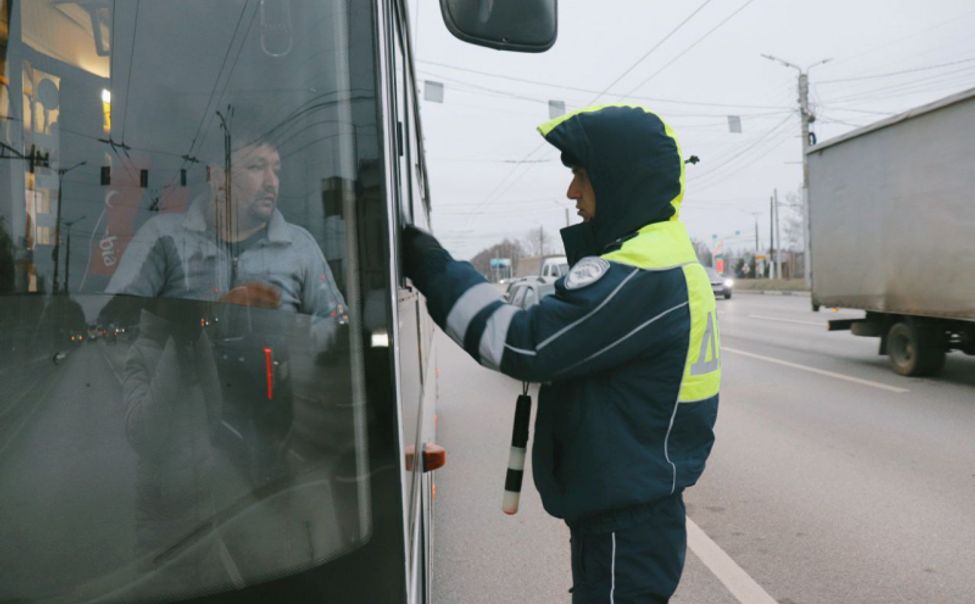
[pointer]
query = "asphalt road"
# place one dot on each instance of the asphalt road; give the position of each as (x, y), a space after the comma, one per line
(69, 479)
(832, 479)
(62, 450)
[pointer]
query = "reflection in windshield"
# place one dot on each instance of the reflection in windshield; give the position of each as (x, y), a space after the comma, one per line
(234, 246)
(183, 401)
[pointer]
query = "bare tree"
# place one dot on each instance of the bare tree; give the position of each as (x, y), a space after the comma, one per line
(538, 242)
(508, 248)
(790, 215)
(703, 252)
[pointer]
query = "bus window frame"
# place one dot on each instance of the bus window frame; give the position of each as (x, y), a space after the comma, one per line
(385, 19)
(409, 188)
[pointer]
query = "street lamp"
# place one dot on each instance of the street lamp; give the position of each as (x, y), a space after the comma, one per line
(57, 225)
(806, 117)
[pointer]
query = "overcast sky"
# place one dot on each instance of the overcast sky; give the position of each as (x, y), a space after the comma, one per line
(709, 69)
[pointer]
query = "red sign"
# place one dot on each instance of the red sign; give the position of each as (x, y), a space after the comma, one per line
(117, 225)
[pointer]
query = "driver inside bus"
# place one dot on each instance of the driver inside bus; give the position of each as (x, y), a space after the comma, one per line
(239, 251)
(206, 384)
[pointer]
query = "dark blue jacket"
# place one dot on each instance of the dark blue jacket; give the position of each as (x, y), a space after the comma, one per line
(627, 348)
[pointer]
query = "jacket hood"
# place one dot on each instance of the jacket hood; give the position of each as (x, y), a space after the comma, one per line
(634, 164)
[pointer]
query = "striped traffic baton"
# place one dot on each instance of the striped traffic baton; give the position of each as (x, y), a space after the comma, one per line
(516, 459)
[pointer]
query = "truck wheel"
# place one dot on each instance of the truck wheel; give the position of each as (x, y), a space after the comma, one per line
(727, 295)
(915, 348)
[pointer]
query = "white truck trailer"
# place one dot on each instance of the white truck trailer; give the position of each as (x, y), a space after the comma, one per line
(892, 224)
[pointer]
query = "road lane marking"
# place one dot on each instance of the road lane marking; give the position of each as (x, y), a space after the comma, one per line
(105, 355)
(745, 589)
(838, 376)
(27, 417)
(796, 321)
(228, 563)
(19, 367)
(17, 399)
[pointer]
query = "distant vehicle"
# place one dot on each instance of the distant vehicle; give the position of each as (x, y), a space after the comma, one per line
(554, 266)
(720, 285)
(530, 291)
(891, 218)
(510, 284)
(546, 266)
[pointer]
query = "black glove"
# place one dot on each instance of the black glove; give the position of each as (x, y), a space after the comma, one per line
(423, 256)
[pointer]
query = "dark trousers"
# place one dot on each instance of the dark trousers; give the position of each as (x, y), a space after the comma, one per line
(640, 562)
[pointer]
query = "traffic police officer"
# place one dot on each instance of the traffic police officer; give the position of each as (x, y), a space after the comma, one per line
(627, 350)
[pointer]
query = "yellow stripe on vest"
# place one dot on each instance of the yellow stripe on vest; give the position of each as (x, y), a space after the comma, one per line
(657, 246)
(702, 370)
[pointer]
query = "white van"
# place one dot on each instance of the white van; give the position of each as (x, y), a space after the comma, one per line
(555, 266)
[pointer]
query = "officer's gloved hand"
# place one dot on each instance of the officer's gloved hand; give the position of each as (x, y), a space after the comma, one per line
(423, 256)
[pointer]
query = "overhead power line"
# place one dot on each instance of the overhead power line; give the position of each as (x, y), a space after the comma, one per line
(480, 87)
(216, 80)
(953, 20)
(128, 79)
(832, 107)
(593, 90)
(960, 76)
(691, 47)
(653, 48)
(896, 73)
(702, 181)
(481, 90)
(774, 144)
(509, 179)
(832, 120)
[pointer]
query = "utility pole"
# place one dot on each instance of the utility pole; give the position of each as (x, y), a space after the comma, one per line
(228, 229)
(806, 117)
(56, 254)
(771, 236)
(567, 217)
(778, 236)
(755, 216)
(67, 255)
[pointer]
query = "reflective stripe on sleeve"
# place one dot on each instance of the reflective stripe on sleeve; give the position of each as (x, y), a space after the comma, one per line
(623, 338)
(576, 323)
(491, 347)
(466, 307)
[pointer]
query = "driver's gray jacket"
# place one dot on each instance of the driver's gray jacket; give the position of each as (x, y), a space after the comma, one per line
(180, 256)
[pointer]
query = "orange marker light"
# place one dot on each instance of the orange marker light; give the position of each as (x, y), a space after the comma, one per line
(269, 368)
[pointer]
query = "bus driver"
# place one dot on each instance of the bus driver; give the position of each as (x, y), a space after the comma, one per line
(242, 251)
(197, 403)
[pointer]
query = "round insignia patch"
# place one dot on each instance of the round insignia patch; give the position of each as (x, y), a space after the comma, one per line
(585, 272)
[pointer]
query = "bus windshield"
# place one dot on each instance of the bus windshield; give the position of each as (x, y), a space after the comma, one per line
(184, 277)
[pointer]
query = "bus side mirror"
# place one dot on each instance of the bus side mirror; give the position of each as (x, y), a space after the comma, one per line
(518, 25)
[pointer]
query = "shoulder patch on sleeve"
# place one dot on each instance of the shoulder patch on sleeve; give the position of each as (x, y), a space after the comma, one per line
(586, 272)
